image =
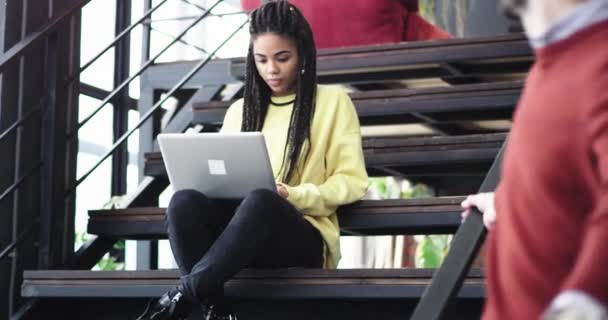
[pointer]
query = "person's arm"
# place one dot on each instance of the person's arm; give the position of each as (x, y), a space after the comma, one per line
(588, 274)
(347, 178)
(233, 117)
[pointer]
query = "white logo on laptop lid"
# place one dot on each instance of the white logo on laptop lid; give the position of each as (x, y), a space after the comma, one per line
(217, 167)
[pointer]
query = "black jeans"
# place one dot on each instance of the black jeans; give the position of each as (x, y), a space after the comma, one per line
(213, 239)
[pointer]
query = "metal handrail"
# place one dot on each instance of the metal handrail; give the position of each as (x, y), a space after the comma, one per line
(23, 119)
(19, 49)
(196, 5)
(139, 72)
(17, 184)
(11, 246)
(154, 108)
(118, 38)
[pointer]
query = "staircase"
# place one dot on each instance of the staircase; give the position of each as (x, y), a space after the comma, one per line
(463, 91)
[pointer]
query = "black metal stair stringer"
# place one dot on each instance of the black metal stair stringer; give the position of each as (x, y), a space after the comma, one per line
(464, 248)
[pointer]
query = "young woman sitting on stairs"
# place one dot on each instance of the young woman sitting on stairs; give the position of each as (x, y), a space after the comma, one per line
(314, 142)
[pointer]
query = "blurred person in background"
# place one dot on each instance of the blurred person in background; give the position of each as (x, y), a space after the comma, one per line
(548, 219)
(347, 23)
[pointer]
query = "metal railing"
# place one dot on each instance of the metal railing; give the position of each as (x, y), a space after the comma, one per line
(141, 70)
(154, 108)
(18, 51)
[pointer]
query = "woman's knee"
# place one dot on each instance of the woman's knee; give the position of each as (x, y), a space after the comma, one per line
(263, 196)
(261, 201)
(184, 202)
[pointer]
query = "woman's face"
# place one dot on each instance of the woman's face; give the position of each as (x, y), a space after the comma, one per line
(276, 59)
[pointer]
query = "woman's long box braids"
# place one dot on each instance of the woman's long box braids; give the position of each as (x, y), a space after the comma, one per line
(283, 18)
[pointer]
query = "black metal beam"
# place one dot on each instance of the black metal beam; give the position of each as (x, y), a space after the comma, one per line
(90, 252)
(120, 158)
(10, 105)
(48, 156)
(57, 212)
(463, 249)
(2, 29)
(99, 94)
(32, 92)
(145, 43)
(70, 153)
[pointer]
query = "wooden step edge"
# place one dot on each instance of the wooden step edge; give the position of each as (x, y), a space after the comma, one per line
(384, 287)
(383, 96)
(284, 273)
(443, 202)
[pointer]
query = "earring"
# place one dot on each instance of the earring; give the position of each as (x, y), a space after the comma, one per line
(302, 71)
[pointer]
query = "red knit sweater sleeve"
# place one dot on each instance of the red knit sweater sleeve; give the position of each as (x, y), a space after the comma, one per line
(589, 274)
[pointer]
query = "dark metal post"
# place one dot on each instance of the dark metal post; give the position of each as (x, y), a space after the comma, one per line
(120, 159)
(57, 212)
(48, 157)
(145, 249)
(145, 53)
(10, 33)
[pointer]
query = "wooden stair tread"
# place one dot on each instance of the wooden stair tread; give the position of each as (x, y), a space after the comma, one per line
(498, 55)
(411, 156)
(370, 217)
(279, 283)
(488, 101)
(426, 56)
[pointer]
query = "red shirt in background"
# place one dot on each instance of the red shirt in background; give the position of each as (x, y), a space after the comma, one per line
(551, 229)
(346, 23)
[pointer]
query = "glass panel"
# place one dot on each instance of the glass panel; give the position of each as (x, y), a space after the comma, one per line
(97, 31)
(206, 35)
(133, 147)
(99, 128)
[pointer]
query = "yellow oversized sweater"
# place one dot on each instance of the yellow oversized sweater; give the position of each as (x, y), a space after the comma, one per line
(334, 172)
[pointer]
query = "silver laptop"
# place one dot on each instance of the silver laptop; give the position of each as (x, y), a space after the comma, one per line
(220, 165)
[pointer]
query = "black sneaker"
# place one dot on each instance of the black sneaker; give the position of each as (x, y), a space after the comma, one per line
(171, 306)
(212, 312)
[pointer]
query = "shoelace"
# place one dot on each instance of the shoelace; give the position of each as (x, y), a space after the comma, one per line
(150, 303)
(210, 314)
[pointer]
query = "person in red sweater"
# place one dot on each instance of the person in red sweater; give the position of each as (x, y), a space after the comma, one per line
(548, 220)
(346, 23)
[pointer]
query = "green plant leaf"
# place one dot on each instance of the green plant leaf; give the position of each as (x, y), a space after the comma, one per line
(428, 254)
